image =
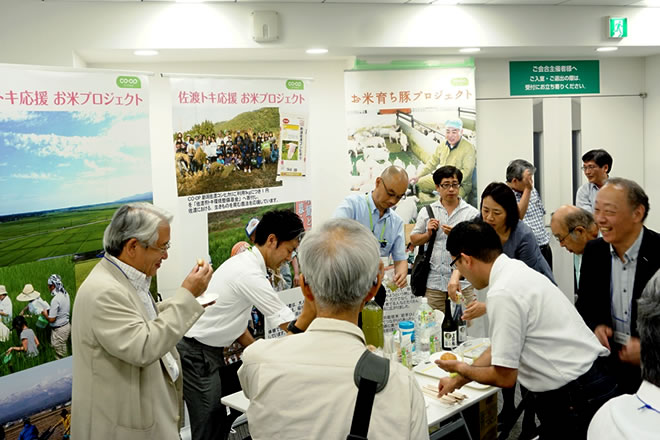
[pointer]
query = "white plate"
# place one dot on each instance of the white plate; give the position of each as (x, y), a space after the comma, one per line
(477, 385)
(207, 297)
(431, 369)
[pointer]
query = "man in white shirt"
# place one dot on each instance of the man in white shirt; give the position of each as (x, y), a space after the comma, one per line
(302, 386)
(241, 282)
(448, 211)
(6, 309)
(537, 337)
(597, 166)
(637, 416)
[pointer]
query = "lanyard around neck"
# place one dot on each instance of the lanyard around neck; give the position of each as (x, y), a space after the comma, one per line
(371, 220)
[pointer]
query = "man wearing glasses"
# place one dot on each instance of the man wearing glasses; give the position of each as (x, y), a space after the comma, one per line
(126, 371)
(597, 165)
(573, 228)
(374, 211)
(448, 211)
(615, 269)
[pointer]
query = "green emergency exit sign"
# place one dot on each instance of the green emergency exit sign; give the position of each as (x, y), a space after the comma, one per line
(618, 27)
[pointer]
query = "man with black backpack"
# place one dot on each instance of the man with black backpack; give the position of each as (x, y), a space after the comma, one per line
(448, 211)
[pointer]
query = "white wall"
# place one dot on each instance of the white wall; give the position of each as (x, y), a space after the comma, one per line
(651, 157)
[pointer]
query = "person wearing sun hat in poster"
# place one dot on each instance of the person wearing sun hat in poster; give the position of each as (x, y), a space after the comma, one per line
(35, 305)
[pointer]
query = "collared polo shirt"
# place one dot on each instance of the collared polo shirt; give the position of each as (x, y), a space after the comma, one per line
(535, 329)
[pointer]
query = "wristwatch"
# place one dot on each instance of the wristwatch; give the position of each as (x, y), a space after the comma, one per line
(292, 327)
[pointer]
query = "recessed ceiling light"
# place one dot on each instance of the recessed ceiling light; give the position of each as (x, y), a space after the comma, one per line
(469, 50)
(145, 53)
(607, 49)
(316, 51)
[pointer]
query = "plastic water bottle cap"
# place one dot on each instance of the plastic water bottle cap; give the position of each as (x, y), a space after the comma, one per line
(425, 300)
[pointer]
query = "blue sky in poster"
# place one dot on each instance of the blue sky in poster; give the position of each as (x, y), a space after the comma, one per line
(53, 159)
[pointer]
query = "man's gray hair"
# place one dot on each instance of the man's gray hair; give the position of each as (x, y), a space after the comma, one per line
(579, 217)
(340, 261)
(134, 220)
(648, 326)
(516, 169)
(635, 193)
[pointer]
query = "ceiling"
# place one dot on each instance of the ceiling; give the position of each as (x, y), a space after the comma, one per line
(97, 56)
(641, 3)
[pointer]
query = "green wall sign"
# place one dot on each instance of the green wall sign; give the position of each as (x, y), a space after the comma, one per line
(554, 77)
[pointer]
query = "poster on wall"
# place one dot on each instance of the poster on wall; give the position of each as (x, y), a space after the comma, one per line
(74, 146)
(417, 119)
(235, 138)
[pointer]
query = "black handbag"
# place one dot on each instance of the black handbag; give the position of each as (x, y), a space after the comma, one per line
(422, 264)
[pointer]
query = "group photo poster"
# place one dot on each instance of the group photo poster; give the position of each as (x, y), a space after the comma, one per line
(234, 138)
(74, 146)
(408, 118)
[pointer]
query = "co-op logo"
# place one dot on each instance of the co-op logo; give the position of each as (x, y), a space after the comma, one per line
(295, 84)
(129, 82)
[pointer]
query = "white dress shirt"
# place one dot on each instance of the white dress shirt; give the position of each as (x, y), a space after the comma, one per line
(301, 387)
(631, 416)
(534, 328)
(240, 282)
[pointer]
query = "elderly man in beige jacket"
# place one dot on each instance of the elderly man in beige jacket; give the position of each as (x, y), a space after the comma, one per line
(126, 370)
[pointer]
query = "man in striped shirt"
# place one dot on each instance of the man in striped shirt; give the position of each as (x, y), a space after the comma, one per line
(520, 178)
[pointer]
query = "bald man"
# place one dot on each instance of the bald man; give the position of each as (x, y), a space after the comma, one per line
(374, 210)
(573, 228)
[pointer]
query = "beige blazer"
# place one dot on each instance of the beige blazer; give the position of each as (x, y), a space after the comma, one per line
(120, 388)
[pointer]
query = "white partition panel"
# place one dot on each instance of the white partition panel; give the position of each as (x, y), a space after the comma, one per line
(617, 125)
(505, 132)
(557, 188)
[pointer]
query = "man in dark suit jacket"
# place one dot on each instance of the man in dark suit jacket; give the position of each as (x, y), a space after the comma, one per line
(607, 298)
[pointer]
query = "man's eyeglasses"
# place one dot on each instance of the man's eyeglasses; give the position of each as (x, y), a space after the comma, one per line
(450, 185)
(391, 193)
(163, 250)
(589, 167)
(454, 261)
(561, 239)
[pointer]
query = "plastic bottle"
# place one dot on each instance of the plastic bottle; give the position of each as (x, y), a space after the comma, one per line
(407, 328)
(424, 323)
(372, 324)
(449, 329)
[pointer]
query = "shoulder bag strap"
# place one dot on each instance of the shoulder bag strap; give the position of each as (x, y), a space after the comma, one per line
(371, 375)
(431, 242)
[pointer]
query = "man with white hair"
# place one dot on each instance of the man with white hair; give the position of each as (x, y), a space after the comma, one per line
(309, 376)
(126, 372)
(637, 416)
(456, 151)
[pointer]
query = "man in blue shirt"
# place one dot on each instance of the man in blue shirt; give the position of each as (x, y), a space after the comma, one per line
(374, 211)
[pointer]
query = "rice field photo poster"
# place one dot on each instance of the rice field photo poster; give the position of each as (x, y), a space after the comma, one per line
(74, 145)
